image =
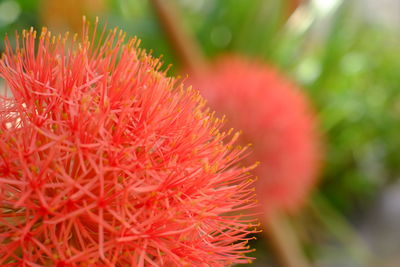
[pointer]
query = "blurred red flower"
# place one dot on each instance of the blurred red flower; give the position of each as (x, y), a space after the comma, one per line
(276, 118)
(106, 161)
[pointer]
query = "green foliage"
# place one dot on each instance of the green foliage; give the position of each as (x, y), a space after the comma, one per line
(16, 15)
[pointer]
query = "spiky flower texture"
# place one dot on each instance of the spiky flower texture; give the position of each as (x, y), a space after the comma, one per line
(276, 117)
(105, 161)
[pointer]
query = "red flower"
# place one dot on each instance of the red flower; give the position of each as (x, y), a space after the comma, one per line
(276, 118)
(106, 161)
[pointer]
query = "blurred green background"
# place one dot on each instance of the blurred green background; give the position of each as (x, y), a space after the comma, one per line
(346, 57)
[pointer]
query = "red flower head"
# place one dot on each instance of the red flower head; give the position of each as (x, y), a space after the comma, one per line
(276, 118)
(104, 161)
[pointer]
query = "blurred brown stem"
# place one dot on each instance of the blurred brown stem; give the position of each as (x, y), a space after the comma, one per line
(293, 5)
(284, 242)
(184, 45)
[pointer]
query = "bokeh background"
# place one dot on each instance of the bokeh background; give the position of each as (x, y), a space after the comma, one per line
(344, 54)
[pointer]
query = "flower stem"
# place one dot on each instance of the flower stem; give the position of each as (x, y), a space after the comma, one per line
(284, 242)
(186, 48)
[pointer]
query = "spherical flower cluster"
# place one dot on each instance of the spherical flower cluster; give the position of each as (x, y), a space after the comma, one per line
(105, 161)
(276, 118)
